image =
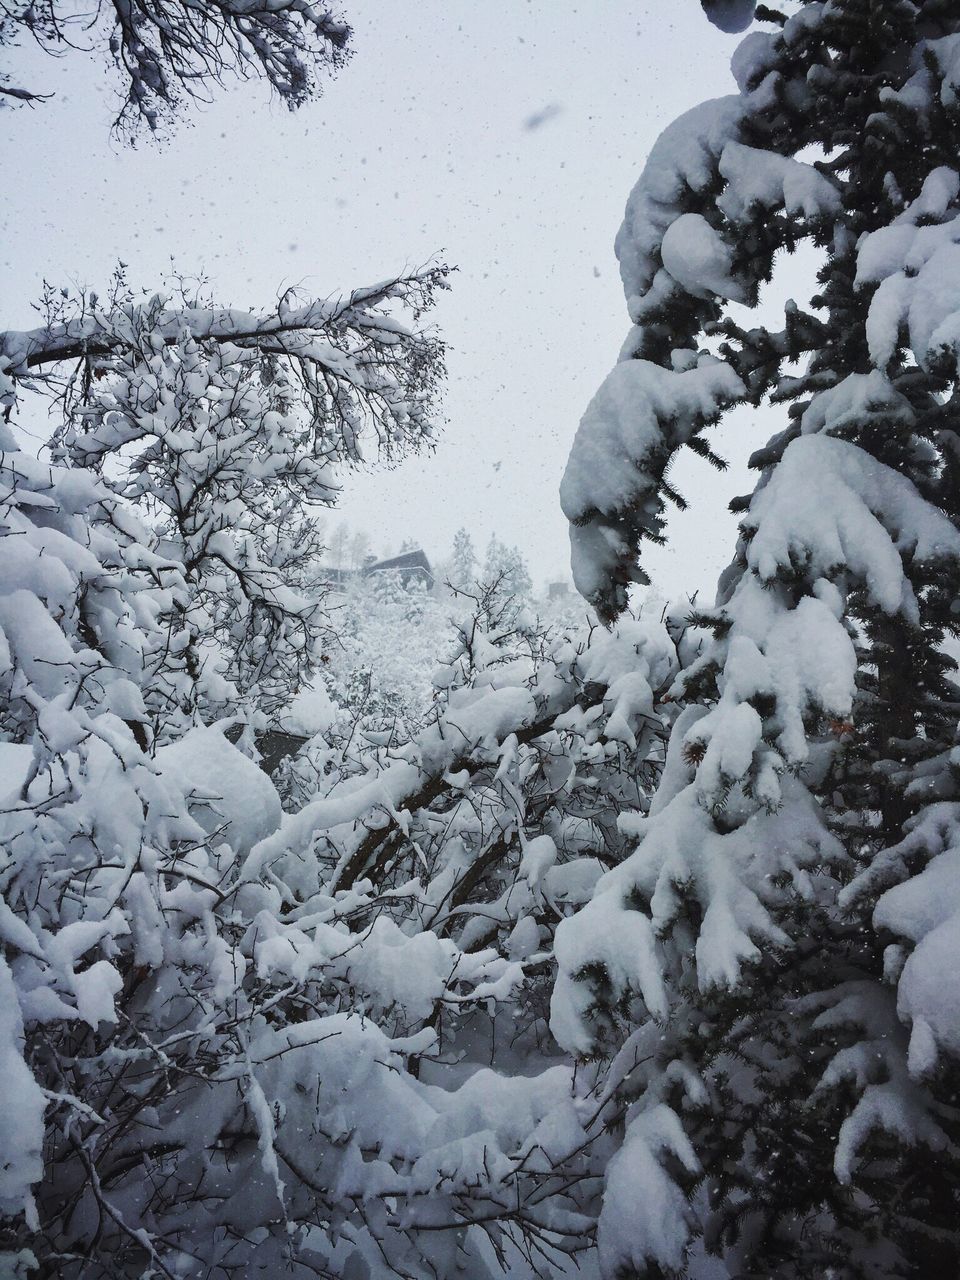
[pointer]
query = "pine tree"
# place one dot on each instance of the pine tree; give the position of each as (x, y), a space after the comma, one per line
(463, 562)
(339, 541)
(505, 571)
(359, 549)
(791, 903)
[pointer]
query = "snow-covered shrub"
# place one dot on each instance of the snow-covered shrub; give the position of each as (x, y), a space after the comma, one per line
(441, 870)
(504, 579)
(170, 1003)
(388, 636)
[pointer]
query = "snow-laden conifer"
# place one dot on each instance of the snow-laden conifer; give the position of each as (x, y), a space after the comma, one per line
(505, 575)
(463, 567)
(770, 963)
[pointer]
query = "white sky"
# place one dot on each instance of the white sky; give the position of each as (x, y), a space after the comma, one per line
(419, 146)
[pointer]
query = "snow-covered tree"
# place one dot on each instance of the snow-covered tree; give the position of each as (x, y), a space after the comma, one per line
(235, 1042)
(462, 567)
(201, 1074)
(505, 571)
(223, 427)
(380, 663)
(339, 541)
(166, 51)
(225, 1028)
(359, 549)
(730, 15)
(768, 967)
(488, 828)
(159, 1054)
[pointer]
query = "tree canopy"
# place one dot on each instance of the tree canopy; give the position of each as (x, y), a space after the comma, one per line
(166, 52)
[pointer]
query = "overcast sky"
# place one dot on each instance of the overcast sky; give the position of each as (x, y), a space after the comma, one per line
(503, 136)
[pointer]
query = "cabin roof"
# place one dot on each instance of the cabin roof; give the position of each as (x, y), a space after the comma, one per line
(409, 560)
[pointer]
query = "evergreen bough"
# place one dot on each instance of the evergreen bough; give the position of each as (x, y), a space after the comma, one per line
(774, 963)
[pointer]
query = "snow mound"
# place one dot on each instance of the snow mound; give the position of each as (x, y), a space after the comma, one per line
(228, 795)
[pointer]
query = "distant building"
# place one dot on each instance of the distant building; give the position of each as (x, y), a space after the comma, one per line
(557, 590)
(409, 567)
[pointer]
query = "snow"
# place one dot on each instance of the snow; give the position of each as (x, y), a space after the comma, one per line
(624, 425)
(539, 855)
(572, 881)
(682, 854)
(394, 971)
(358, 987)
(925, 902)
(917, 268)
(15, 761)
(36, 644)
(699, 259)
(622, 943)
(926, 910)
(230, 796)
(96, 989)
(730, 15)
(298, 830)
(946, 51)
(896, 1109)
(311, 712)
(22, 1107)
(808, 663)
(762, 179)
(743, 828)
(662, 1232)
(731, 738)
(883, 253)
(752, 58)
(597, 553)
(683, 158)
(856, 399)
(678, 772)
(512, 1109)
(866, 517)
